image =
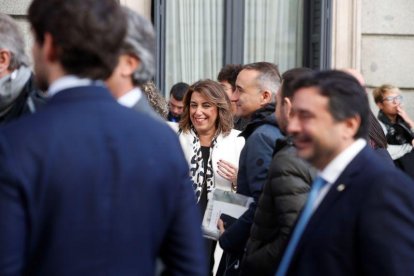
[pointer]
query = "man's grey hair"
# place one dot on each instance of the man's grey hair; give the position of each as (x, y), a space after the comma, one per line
(140, 42)
(11, 39)
(269, 76)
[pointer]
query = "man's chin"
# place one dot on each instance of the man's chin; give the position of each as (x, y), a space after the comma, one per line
(305, 153)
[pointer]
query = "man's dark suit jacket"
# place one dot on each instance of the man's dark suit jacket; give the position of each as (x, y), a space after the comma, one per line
(88, 187)
(364, 225)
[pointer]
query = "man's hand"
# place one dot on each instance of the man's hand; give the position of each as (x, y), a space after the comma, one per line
(220, 226)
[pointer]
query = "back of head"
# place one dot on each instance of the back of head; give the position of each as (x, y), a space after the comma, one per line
(178, 90)
(288, 79)
(229, 73)
(269, 77)
(140, 42)
(356, 74)
(347, 98)
(87, 34)
(12, 40)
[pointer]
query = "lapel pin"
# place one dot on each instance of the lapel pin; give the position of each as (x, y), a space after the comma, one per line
(340, 187)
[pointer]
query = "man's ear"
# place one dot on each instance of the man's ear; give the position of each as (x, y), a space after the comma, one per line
(352, 126)
(132, 63)
(49, 49)
(5, 58)
(287, 106)
(266, 97)
(127, 65)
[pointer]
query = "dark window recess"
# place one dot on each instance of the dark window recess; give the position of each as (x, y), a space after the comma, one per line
(317, 32)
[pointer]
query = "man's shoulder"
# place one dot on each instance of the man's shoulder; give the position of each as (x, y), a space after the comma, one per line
(287, 162)
(269, 132)
(374, 170)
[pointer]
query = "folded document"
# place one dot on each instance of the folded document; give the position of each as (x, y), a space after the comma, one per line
(222, 202)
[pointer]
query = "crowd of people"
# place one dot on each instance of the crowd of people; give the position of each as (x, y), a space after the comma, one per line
(100, 175)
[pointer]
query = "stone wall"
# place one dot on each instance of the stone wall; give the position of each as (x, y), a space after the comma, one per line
(387, 45)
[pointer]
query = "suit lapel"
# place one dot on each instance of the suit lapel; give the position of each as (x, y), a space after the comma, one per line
(338, 189)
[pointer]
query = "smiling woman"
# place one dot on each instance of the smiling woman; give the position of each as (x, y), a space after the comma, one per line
(210, 144)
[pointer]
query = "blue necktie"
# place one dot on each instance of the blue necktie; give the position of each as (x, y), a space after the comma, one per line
(300, 226)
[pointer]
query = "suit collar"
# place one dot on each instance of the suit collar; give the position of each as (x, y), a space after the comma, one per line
(94, 93)
(131, 98)
(335, 168)
(338, 189)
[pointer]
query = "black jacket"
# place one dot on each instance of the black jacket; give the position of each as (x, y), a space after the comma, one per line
(283, 197)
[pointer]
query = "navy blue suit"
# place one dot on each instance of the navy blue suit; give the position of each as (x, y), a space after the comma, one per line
(364, 225)
(88, 187)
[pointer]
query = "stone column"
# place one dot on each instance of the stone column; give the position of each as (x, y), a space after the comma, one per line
(346, 34)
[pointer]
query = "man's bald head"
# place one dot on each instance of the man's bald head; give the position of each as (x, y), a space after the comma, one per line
(356, 74)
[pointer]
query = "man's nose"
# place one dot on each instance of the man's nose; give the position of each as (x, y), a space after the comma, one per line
(235, 95)
(293, 125)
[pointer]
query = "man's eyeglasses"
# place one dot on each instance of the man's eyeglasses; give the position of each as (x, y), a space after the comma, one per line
(393, 99)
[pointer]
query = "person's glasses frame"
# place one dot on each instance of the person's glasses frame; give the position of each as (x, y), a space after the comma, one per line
(393, 99)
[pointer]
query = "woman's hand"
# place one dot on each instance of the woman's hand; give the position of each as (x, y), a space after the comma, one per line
(227, 171)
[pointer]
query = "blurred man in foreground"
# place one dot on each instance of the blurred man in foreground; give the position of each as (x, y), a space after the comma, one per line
(81, 191)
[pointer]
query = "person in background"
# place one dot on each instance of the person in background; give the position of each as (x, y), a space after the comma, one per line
(284, 193)
(227, 78)
(155, 99)
(376, 136)
(136, 65)
(397, 125)
(257, 84)
(175, 103)
(88, 186)
(18, 92)
(359, 215)
(211, 145)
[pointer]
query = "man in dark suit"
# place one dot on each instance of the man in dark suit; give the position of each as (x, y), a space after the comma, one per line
(88, 187)
(361, 220)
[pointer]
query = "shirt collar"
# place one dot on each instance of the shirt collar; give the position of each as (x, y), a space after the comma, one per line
(334, 169)
(130, 98)
(66, 82)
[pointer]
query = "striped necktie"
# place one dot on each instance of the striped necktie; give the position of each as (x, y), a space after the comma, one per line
(300, 226)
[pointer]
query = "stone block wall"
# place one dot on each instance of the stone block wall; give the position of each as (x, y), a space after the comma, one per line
(387, 46)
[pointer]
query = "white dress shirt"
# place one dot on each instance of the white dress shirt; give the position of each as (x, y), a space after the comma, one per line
(130, 98)
(335, 168)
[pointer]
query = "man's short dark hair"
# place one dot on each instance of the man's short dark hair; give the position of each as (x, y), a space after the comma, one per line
(87, 34)
(288, 79)
(347, 98)
(178, 90)
(229, 73)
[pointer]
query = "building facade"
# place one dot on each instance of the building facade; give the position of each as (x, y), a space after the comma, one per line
(197, 37)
